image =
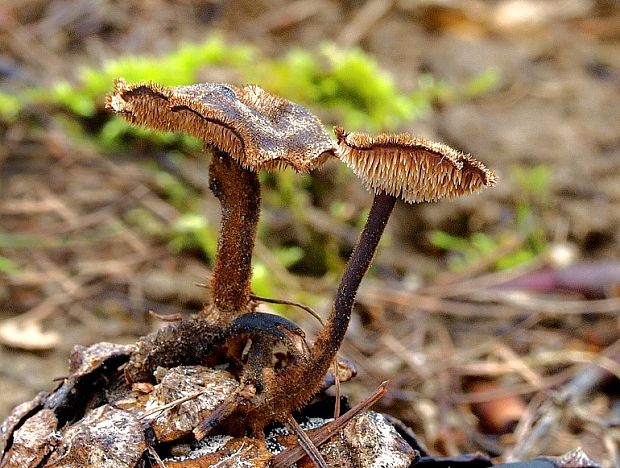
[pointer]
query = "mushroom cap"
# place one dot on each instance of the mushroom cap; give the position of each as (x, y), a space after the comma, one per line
(411, 168)
(257, 129)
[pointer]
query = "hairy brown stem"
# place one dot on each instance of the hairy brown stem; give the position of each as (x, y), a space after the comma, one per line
(238, 191)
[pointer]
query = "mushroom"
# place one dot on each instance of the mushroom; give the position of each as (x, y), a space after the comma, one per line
(393, 166)
(248, 129)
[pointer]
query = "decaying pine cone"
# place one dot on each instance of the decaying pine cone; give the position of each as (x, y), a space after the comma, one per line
(95, 418)
(186, 342)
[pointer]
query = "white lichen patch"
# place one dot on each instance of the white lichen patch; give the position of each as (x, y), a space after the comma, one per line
(307, 424)
(207, 446)
(374, 443)
(314, 423)
(224, 451)
(367, 441)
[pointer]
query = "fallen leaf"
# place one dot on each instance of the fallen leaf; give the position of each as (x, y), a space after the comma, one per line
(28, 335)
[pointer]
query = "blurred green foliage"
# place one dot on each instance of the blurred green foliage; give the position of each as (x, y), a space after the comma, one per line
(349, 84)
(180, 67)
(263, 283)
(7, 266)
(193, 231)
(464, 250)
(10, 107)
(533, 189)
(346, 87)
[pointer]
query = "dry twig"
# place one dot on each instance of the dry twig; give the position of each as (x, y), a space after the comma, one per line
(293, 454)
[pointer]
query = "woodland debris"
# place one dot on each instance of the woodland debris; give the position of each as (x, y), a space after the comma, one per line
(17, 417)
(28, 335)
(33, 441)
(106, 436)
(368, 440)
(209, 388)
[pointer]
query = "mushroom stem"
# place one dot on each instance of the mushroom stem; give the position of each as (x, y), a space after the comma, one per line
(305, 379)
(290, 390)
(329, 340)
(238, 191)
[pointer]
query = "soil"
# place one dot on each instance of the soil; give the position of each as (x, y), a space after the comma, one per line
(89, 276)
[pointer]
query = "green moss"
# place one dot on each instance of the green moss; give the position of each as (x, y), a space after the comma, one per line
(347, 85)
(7, 266)
(10, 106)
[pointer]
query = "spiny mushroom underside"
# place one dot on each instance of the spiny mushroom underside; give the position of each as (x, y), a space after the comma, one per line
(257, 129)
(411, 168)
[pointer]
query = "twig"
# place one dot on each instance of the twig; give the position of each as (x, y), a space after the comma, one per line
(482, 281)
(574, 356)
(365, 18)
(611, 440)
(172, 404)
(517, 364)
(225, 409)
(305, 442)
(51, 304)
(509, 303)
(337, 386)
(435, 305)
(284, 302)
(552, 410)
(526, 422)
(295, 453)
(222, 411)
(290, 15)
(153, 453)
(549, 306)
(166, 318)
(53, 273)
(520, 389)
(446, 387)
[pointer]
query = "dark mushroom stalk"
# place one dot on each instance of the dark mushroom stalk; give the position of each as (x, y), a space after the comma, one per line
(248, 129)
(329, 340)
(393, 166)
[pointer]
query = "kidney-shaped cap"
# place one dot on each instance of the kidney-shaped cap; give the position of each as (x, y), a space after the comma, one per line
(411, 168)
(257, 129)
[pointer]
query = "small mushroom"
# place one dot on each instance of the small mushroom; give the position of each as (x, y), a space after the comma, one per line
(393, 166)
(248, 129)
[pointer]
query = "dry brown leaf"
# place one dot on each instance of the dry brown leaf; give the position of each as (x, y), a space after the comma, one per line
(27, 335)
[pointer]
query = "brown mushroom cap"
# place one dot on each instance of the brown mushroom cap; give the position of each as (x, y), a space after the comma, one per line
(257, 129)
(411, 168)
